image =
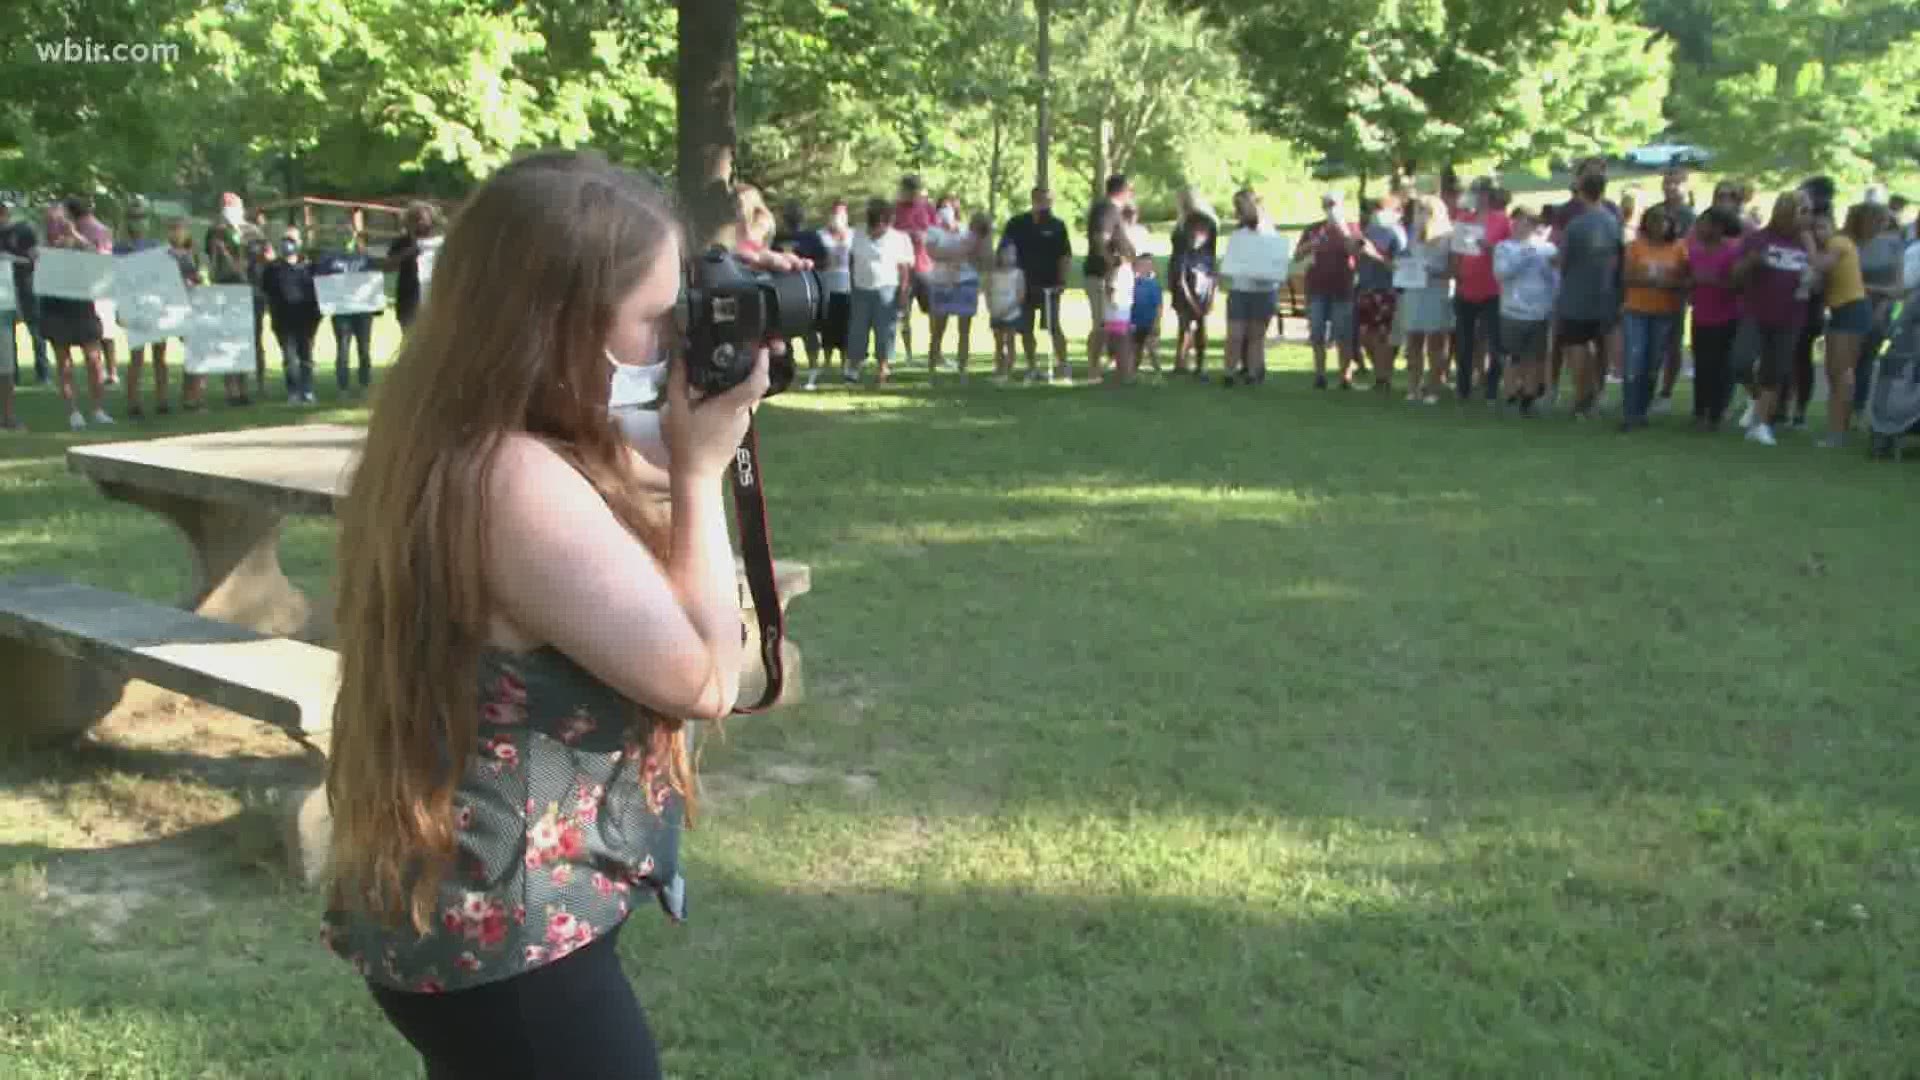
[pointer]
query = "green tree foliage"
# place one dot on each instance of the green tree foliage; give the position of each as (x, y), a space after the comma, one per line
(1138, 85)
(1415, 83)
(67, 127)
(1833, 85)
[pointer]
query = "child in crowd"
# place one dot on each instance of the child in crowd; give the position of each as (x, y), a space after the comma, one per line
(1147, 299)
(1006, 300)
(1524, 265)
(1118, 294)
(1190, 272)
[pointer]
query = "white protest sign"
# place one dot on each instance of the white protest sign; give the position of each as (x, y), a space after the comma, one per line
(1410, 272)
(150, 299)
(220, 334)
(73, 275)
(1257, 256)
(429, 254)
(351, 294)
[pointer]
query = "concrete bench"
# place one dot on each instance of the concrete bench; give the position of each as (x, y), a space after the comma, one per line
(54, 634)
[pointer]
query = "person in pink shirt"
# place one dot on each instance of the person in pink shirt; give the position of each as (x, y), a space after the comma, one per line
(914, 214)
(71, 323)
(1711, 252)
(1481, 225)
(96, 233)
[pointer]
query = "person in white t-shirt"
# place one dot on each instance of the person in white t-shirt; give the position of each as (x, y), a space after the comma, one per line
(836, 276)
(880, 260)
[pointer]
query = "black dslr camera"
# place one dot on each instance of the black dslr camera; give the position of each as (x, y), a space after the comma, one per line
(730, 311)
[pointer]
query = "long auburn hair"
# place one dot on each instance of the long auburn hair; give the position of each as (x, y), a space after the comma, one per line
(509, 340)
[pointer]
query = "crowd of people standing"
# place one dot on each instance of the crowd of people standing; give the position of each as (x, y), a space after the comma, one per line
(236, 250)
(1478, 293)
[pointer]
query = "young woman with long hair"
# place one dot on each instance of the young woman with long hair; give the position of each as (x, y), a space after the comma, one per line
(1426, 312)
(1849, 309)
(1711, 253)
(534, 593)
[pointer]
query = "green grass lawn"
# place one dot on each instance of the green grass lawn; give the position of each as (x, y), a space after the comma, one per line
(1151, 732)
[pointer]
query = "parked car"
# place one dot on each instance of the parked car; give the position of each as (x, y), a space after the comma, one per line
(1661, 155)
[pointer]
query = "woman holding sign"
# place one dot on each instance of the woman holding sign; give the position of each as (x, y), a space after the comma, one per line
(136, 241)
(1255, 264)
(69, 323)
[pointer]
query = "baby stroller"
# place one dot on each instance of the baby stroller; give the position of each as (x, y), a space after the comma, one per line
(1893, 407)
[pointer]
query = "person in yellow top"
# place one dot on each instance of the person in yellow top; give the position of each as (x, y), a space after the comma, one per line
(1657, 280)
(1850, 313)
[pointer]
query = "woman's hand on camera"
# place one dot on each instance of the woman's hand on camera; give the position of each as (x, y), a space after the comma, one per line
(701, 434)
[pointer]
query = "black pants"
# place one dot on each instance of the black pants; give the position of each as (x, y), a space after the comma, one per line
(1713, 369)
(1474, 322)
(296, 355)
(1799, 389)
(350, 330)
(575, 1018)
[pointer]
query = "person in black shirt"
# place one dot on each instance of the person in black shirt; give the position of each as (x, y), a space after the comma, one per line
(1103, 220)
(1192, 272)
(794, 238)
(403, 256)
(18, 244)
(295, 311)
(1044, 250)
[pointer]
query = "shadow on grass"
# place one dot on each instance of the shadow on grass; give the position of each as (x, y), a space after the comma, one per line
(1398, 974)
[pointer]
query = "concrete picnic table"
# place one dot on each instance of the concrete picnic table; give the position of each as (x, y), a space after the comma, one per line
(229, 493)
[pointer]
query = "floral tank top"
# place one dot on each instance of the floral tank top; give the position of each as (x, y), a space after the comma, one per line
(565, 820)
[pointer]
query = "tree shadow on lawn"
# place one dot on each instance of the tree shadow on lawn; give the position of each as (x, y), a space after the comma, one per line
(1391, 970)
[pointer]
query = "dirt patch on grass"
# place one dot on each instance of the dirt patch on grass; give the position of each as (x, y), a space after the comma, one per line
(169, 803)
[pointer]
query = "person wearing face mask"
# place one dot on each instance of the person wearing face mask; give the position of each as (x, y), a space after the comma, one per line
(295, 311)
(353, 328)
(71, 323)
(958, 253)
(1375, 301)
(1482, 225)
(231, 261)
(137, 239)
(574, 603)
(1329, 249)
(1772, 268)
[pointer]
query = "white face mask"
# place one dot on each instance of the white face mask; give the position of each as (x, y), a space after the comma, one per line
(1384, 218)
(947, 217)
(1469, 203)
(1337, 214)
(233, 215)
(634, 400)
(1910, 272)
(635, 386)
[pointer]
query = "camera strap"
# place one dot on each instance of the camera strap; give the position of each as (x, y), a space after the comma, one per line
(756, 549)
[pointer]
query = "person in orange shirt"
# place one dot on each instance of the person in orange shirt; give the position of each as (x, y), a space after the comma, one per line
(1657, 280)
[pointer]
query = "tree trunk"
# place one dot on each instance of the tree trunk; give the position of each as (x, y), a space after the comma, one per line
(705, 86)
(1043, 129)
(1102, 156)
(994, 166)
